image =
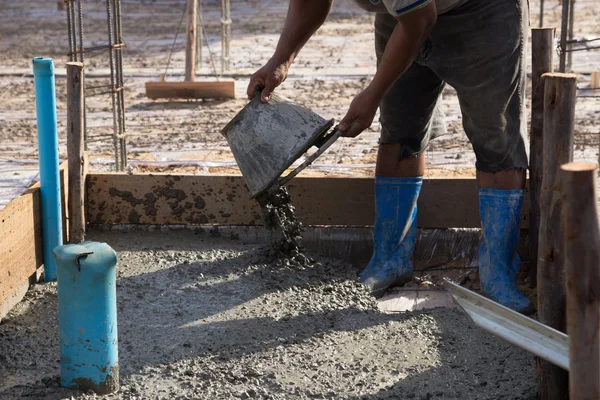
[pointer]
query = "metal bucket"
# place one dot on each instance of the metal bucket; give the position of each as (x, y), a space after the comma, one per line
(267, 138)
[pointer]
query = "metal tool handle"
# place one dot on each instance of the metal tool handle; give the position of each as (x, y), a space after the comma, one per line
(323, 145)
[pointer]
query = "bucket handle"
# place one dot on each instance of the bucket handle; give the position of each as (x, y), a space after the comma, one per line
(323, 144)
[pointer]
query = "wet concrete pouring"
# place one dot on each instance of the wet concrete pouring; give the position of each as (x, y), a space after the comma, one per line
(207, 317)
(285, 230)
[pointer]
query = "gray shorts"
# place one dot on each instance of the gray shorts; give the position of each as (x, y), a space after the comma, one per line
(479, 49)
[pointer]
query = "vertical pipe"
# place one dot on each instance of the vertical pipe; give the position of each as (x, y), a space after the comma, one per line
(542, 51)
(87, 317)
(582, 252)
(541, 13)
(564, 28)
(45, 105)
(559, 124)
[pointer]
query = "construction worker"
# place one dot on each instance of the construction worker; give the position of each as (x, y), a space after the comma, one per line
(476, 46)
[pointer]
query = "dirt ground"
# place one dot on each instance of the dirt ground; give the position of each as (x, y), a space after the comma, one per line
(203, 317)
(184, 135)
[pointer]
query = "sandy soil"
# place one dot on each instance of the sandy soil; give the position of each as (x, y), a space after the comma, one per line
(333, 67)
(202, 317)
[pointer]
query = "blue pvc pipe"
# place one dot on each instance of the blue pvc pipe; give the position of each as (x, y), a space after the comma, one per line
(45, 105)
(87, 316)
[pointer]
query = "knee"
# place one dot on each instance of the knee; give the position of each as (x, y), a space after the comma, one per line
(392, 163)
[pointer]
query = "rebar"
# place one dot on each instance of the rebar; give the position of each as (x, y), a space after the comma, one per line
(571, 27)
(81, 52)
(121, 89)
(564, 29)
(225, 33)
(72, 46)
(199, 35)
(111, 60)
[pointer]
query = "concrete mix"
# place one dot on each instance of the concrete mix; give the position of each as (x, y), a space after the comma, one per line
(203, 317)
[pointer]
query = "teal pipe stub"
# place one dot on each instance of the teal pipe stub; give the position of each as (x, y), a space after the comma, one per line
(87, 314)
(43, 66)
(51, 214)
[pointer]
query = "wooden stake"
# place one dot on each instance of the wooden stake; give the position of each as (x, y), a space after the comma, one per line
(595, 82)
(75, 151)
(542, 42)
(559, 119)
(582, 263)
(190, 40)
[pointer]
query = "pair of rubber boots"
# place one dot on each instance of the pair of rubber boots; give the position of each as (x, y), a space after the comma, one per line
(395, 230)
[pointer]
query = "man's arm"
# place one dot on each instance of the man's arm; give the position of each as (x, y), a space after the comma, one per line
(401, 50)
(303, 19)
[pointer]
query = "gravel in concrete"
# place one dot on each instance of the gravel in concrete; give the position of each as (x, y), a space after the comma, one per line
(202, 317)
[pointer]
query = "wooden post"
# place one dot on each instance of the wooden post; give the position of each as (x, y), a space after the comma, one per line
(190, 40)
(559, 119)
(582, 262)
(542, 43)
(75, 152)
(595, 80)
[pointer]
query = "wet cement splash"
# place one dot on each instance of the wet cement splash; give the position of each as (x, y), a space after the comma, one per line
(285, 229)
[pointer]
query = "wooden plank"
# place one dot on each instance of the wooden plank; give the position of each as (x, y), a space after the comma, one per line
(559, 122)
(191, 90)
(20, 242)
(595, 80)
(582, 268)
(114, 198)
(542, 51)
(76, 153)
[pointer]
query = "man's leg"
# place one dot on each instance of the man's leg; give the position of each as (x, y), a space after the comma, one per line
(407, 125)
(512, 179)
(390, 165)
(479, 49)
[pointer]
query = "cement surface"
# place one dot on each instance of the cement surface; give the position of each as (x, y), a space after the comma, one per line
(202, 317)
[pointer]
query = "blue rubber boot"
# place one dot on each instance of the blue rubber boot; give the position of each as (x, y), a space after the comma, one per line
(394, 234)
(498, 259)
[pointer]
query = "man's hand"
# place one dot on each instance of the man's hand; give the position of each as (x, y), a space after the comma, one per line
(271, 75)
(360, 114)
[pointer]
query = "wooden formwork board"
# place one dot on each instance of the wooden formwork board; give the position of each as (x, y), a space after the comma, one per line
(114, 198)
(20, 242)
(21, 247)
(190, 90)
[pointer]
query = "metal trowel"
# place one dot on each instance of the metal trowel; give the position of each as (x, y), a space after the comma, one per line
(267, 138)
